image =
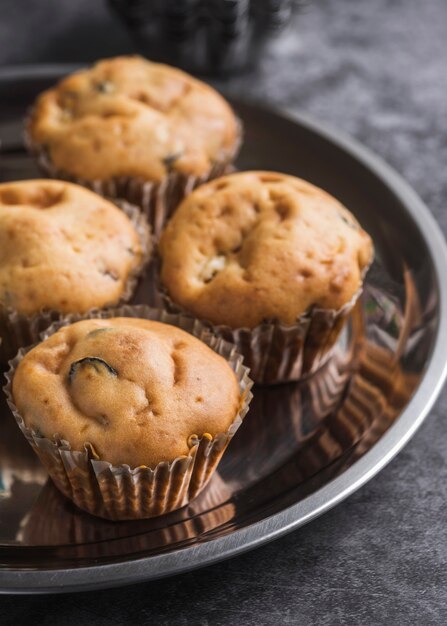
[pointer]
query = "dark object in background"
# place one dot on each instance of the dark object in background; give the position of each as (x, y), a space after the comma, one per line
(205, 36)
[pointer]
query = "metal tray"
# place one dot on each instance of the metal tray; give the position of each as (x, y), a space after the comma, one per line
(303, 448)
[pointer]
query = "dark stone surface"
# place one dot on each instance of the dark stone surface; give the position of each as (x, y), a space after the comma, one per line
(376, 69)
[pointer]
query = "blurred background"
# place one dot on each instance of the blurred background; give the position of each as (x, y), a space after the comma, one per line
(205, 36)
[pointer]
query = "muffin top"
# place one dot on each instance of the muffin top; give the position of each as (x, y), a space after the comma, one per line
(63, 248)
(256, 246)
(129, 117)
(140, 392)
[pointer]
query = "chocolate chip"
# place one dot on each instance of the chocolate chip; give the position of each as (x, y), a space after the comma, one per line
(348, 222)
(110, 273)
(171, 159)
(105, 86)
(98, 364)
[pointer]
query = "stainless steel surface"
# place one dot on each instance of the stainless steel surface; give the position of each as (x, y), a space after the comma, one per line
(302, 448)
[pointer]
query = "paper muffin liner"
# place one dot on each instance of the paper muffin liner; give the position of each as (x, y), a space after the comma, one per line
(119, 492)
(18, 330)
(157, 199)
(54, 521)
(278, 353)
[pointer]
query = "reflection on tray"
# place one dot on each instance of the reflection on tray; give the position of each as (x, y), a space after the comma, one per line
(295, 439)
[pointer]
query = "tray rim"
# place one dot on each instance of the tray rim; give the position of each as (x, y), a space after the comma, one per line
(396, 437)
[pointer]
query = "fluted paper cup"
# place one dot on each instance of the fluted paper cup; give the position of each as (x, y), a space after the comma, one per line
(279, 353)
(54, 521)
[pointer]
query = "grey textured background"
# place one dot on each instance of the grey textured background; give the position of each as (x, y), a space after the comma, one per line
(377, 70)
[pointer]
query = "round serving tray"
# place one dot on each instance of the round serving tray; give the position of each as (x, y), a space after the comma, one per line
(303, 447)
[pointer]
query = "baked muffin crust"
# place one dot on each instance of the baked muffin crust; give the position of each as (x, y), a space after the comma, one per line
(63, 248)
(127, 116)
(254, 246)
(140, 392)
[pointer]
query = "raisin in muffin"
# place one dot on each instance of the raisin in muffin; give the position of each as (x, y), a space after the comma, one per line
(134, 129)
(257, 247)
(127, 392)
(63, 249)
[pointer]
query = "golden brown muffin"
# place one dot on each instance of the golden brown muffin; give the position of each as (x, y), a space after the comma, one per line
(63, 248)
(129, 117)
(256, 246)
(140, 392)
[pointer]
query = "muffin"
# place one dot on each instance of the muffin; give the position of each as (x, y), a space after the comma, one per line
(130, 416)
(273, 263)
(134, 129)
(63, 249)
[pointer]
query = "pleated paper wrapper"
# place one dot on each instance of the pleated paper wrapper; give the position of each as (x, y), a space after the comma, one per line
(279, 353)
